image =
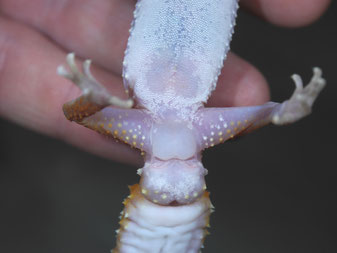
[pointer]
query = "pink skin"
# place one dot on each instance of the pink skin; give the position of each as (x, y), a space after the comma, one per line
(25, 47)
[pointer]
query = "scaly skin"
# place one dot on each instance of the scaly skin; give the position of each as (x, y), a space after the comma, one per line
(174, 55)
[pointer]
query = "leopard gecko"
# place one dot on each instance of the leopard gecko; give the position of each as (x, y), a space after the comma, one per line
(173, 58)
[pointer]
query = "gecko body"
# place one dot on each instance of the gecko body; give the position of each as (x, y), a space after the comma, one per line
(169, 39)
(173, 58)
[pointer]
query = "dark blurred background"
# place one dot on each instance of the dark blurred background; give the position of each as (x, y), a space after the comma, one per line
(274, 190)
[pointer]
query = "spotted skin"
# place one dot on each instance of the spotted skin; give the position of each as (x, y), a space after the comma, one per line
(216, 125)
(131, 127)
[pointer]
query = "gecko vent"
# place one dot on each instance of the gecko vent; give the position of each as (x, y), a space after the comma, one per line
(174, 181)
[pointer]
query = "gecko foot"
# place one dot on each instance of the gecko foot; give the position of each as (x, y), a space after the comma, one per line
(91, 88)
(300, 103)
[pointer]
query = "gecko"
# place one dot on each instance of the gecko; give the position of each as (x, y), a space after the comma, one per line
(173, 58)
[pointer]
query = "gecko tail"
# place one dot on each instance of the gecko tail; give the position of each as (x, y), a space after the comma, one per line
(148, 227)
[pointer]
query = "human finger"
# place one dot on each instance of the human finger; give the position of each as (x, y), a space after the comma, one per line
(32, 95)
(240, 84)
(291, 13)
(93, 29)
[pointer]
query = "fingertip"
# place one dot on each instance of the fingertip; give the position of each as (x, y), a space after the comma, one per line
(290, 13)
(240, 84)
(253, 88)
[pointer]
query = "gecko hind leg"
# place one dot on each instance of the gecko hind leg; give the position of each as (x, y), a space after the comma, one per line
(95, 97)
(300, 103)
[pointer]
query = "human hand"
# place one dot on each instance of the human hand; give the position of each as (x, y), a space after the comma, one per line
(36, 36)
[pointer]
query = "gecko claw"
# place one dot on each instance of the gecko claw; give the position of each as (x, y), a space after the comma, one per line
(61, 71)
(90, 87)
(300, 103)
(86, 70)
